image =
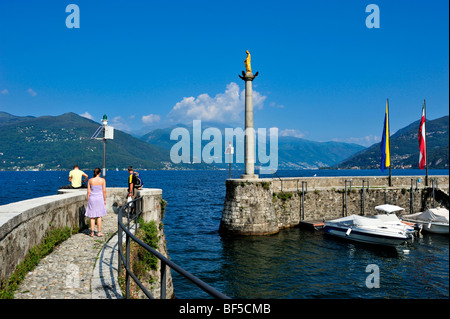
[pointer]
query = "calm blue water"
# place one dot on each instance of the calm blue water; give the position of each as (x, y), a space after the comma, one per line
(292, 264)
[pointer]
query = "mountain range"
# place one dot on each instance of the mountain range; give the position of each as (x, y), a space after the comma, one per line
(405, 148)
(293, 152)
(59, 142)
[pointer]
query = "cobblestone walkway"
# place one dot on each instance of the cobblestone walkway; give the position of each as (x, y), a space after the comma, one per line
(68, 272)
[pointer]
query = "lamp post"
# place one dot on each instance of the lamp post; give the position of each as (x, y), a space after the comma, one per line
(108, 134)
(229, 150)
(105, 123)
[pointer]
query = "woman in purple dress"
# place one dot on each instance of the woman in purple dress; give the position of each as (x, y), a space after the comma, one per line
(96, 201)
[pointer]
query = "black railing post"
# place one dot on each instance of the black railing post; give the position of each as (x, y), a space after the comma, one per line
(119, 247)
(363, 196)
(163, 280)
(432, 184)
(127, 266)
(345, 195)
(304, 192)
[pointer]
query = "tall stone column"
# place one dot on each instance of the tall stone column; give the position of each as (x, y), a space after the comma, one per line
(249, 147)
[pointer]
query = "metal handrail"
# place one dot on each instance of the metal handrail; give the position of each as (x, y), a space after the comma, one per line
(164, 260)
(274, 172)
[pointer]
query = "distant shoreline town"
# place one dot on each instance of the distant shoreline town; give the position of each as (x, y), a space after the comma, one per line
(49, 143)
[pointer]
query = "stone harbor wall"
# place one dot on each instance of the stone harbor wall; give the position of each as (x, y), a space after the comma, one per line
(255, 206)
(24, 224)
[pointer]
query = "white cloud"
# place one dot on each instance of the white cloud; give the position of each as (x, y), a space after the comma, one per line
(224, 107)
(4, 92)
(119, 123)
(87, 115)
(31, 92)
(279, 106)
(151, 118)
(291, 132)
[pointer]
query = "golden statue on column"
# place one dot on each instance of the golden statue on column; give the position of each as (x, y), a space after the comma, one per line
(247, 62)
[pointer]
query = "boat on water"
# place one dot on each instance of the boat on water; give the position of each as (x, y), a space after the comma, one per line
(367, 230)
(433, 220)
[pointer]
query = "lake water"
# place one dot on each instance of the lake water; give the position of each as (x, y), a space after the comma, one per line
(294, 263)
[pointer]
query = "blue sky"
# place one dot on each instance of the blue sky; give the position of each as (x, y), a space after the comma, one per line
(323, 75)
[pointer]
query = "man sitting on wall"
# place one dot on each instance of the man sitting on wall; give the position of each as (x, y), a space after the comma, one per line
(75, 179)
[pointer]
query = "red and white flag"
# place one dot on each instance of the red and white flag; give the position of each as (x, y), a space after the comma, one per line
(422, 141)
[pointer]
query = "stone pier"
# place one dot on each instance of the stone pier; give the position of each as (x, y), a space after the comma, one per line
(24, 224)
(264, 206)
(248, 208)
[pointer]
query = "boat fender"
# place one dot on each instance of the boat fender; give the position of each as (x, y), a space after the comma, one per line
(429, 225)
(348, 231)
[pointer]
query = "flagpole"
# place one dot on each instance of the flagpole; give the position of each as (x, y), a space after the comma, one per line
(389, 144)
(426, 143)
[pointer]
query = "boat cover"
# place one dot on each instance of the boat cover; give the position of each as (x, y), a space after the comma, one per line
(431, 215)
(388, 208)
(356, 220)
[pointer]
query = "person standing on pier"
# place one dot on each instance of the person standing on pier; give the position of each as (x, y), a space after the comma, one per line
(133, 183)
(96, 198)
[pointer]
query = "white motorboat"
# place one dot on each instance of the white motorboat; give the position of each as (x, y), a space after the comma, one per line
(367, 230)
(389, 214)
(433, 220)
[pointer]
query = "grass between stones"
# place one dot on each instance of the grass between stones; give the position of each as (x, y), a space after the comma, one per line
(52, 239)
